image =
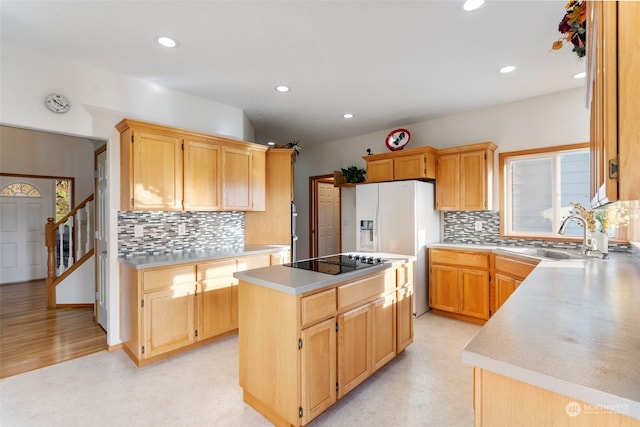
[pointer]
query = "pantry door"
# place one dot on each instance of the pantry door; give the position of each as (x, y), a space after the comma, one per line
(25, 205)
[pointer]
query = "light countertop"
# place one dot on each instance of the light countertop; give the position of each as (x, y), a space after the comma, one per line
(572, 327)
(147, 261)
(297, 281)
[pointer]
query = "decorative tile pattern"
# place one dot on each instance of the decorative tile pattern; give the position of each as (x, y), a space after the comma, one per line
(459, 227)
(204, 230)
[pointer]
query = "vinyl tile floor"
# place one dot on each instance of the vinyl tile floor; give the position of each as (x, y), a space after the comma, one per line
(427, 385)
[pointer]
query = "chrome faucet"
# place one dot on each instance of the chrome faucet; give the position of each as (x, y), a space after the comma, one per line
(587, 241)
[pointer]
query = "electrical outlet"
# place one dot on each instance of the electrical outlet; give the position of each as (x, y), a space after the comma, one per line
(182, 229)
(138, 230)
(478, 225)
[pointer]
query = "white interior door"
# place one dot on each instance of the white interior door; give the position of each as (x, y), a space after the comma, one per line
(23, 254)
(328, 219)
(101, 236)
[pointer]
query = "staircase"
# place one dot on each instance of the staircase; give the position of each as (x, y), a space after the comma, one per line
(69, 244)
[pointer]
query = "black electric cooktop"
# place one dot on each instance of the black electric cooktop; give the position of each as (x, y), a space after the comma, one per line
(336, 264)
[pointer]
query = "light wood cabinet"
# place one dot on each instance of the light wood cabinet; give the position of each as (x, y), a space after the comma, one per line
(463, 178)
(167, 310)
(509, 274)
(292, 358)
(412, 163)
(273, 225)
(318, 368)
(459, 284)
(613, 93)
(202, 177)
(163, 168)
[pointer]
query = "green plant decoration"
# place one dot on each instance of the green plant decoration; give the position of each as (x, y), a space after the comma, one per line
(353, 174)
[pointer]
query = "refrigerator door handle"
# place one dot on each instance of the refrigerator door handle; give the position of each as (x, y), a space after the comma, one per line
(377, 224)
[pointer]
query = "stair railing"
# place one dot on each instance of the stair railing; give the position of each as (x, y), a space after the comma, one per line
(69, 244)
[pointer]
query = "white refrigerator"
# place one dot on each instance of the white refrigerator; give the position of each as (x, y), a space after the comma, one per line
(400, 218)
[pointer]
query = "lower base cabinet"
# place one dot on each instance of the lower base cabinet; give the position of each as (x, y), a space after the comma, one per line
(509, 274)
(299, 354)
(459, 283)
(167, 310)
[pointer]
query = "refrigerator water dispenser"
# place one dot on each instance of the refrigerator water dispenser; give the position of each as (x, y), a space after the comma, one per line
(366, 234)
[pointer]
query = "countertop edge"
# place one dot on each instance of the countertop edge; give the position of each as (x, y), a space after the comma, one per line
(164, 260)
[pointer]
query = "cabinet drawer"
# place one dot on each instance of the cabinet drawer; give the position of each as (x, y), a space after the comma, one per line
(404, 275)
(460, 259)
(318, 306)
(222, 269)
(512, 267)
(167, 277)
(361, 291)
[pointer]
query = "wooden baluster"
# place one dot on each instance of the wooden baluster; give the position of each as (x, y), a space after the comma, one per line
(89, 227)
(60, 254)
(72, 233)
(78, 233)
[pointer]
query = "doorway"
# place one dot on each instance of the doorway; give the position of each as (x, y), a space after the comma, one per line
(325, 216)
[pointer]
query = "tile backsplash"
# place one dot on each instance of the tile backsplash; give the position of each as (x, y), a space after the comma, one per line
(459, 227)
(203, 231)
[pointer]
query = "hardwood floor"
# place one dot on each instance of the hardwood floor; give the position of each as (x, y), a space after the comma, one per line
(33, 336)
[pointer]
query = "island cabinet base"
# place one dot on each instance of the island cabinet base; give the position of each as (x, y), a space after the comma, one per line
(300, 353)
(503, 401)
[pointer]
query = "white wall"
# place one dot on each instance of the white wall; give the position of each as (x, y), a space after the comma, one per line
(555, 119)
(100, 99)
(27, 152)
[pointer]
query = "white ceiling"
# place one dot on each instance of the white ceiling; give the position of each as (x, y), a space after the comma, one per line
(390, 63)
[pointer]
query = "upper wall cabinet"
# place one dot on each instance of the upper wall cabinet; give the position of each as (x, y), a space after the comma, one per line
(613, 94)
(413, 163)
(163, 168)
(273, 225)
(464, 177)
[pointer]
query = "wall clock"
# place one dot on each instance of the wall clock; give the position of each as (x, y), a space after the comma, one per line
(57, 103)
(397, 139)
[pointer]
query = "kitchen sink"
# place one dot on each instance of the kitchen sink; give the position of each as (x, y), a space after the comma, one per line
(548, 253)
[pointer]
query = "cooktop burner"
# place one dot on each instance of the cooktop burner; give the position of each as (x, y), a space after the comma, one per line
(336, 264)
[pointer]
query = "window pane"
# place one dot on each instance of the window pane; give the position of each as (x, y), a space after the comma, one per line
(531, 187)
(574, 186)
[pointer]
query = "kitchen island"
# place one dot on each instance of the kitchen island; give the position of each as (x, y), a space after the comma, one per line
(309, 338)
(564, 349)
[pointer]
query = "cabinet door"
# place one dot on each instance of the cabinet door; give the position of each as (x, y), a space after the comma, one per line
(236, 179)
(443, 288)
(473, 293)
(216, 308)
(168, 319)
(354, 348)
(410, 167)
(505, 286)
(258, 180)
(318, 368)
(202, 187)
(404, 318)
(448, 182)
(380, 170)
(473, 181)
(157, 172)
(383, 330)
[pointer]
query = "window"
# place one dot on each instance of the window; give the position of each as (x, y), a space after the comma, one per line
(537, 187)
(20, 189)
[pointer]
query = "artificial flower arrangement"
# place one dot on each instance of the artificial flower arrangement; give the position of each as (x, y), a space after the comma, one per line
(603, 219)
(573, 28)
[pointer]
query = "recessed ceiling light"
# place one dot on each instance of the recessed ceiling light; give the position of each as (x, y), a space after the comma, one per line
(580, 75)
(282, 89)
(507, 69)
(166, 42)
(271, 143)
(470, 5)
(347, 115)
